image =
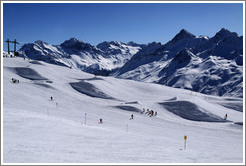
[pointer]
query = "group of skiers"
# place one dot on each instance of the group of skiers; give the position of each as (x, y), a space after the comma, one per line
(149, 112)
(15, 81)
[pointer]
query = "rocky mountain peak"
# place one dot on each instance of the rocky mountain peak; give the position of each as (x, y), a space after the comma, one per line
(224, 33)
(183, 56)
(76, 44)
(183, 34)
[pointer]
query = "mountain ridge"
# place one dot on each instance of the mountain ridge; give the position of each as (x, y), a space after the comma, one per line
(217, 61)
(153, 62)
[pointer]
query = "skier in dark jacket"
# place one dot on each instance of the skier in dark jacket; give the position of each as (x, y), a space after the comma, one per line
(225, 117)
(132, 116)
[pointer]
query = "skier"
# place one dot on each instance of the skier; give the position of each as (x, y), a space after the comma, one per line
(151, 113)
(225, 117)
(155, 113)
(51, 98)
(143, 111)
(131, 117)
(100, 121)
(147, 111)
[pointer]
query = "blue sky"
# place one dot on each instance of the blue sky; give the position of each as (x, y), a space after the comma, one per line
(95, 23)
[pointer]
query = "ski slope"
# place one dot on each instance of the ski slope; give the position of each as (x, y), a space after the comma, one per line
(38, 130)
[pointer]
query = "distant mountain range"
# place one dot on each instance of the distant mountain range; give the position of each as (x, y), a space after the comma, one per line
(100, 59)
(202, 64)
(198, 63)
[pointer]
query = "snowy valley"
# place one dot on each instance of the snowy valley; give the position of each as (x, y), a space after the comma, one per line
(66, 129)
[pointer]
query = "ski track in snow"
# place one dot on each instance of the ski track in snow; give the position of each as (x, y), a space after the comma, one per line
(38, 130)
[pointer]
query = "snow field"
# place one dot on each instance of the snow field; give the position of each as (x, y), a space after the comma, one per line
(37, 130)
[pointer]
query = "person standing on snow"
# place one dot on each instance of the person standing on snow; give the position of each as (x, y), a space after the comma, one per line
(132, 116)
(225, 117)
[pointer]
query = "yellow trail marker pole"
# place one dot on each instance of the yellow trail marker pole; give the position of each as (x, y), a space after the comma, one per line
(185, 138)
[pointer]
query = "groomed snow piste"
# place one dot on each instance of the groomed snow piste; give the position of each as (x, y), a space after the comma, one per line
(37, 129)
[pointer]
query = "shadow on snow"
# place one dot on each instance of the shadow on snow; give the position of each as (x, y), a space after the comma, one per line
(128, 108)
(89, 90)
(28, 73)
(190, 111)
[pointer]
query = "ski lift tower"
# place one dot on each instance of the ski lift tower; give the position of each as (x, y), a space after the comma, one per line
(7, 41)
(15, 53)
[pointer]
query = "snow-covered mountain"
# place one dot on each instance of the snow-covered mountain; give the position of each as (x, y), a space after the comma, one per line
(199, 63)
(100, 59)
